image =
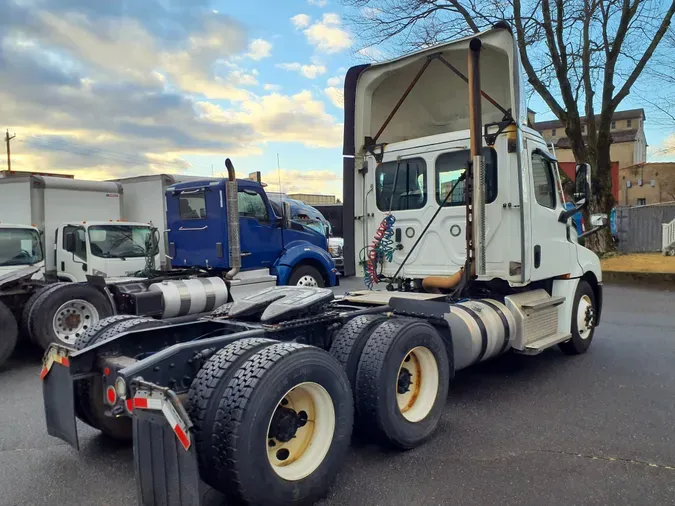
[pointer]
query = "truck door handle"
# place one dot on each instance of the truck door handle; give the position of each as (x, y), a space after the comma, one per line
(185, 229)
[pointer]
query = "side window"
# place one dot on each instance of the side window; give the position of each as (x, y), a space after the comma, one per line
(192, 206)
(80, 240)
(401, 186)
(544, 181)
(450, 166)
(252, 205)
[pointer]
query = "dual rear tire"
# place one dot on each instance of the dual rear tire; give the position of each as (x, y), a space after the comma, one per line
(272, 421)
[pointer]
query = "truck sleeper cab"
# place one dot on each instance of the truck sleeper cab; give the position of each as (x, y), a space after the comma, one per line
(263, 390)
(197, 221)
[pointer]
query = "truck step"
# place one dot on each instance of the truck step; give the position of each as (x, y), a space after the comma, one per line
(536, 347)
(537, 305)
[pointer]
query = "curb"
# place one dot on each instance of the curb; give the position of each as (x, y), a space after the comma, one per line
(663, 280)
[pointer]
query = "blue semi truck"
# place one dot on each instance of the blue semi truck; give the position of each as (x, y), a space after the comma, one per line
(197, 218)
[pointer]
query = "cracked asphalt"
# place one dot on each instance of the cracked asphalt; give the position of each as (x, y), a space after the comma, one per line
(594, 429)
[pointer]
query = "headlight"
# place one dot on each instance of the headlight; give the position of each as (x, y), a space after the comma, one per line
(335, 251)
(96, 272)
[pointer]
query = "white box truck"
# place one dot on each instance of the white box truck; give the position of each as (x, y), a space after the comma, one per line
(82, 225)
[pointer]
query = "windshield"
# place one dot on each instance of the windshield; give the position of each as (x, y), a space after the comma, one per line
(19, 247)
(120, 241)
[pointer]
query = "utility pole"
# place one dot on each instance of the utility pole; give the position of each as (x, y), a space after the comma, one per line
(9, 160)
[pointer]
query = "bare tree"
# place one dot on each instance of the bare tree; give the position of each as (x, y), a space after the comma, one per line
(582, 57)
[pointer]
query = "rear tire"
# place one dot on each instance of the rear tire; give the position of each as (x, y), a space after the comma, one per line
(306, 275)
(582, 332)
(82, 408)
(350, 340)
(207, 390)
(9, 333)
(402, 382)
(263, 420)
(89, 393)
(64, 313)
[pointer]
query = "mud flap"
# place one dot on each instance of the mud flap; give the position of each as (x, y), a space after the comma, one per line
(166, 473)
(59, 401)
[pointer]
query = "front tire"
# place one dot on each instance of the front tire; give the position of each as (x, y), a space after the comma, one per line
(283, 427)
(63, 314)
(583, 320)
(9, 333)
(402, 382)
(306, 275)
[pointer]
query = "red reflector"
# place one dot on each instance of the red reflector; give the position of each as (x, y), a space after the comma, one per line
(106, 371)
(140, 402)
(112, 395)
(130, 405)
(43, 373)
(65, 362)
(182, 437)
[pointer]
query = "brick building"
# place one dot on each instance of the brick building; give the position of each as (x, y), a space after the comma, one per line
(629, 144)
(647, 183)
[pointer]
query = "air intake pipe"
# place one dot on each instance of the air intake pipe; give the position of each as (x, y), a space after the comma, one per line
(232, 196)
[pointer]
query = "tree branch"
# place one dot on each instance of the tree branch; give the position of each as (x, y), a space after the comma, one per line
(625, 89)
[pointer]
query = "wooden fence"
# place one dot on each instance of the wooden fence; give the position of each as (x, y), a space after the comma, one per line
(639, 229)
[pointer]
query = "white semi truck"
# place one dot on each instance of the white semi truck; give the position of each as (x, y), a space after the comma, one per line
(452, 202)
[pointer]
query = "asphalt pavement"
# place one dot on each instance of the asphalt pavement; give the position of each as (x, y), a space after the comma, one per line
(551, 429)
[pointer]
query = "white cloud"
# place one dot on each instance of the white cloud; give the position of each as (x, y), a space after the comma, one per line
(318, 3)
(336, 96)
(334, 81)
(103, 96)
(328, 35)
(309, 71)
(301, 21)
(259, 49)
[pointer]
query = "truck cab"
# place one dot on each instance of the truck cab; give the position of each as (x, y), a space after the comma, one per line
(405, 165)
(109, 249)
(197, 219)
(20, 247)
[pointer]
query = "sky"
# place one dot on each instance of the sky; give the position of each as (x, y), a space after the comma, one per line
(110, 89)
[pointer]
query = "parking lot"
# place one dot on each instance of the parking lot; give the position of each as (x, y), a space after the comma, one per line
(594, 429)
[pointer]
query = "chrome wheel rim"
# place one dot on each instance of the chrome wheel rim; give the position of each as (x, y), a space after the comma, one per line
(72, 319)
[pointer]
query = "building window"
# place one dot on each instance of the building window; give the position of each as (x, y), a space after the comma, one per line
(629, 123)
(642, 202)
(613, 125)
(553, 132)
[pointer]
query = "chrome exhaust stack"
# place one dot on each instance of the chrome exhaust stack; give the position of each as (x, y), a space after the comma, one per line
(233, 240)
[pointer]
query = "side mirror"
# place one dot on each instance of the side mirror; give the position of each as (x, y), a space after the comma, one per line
(70, 242)
(287, 215)
(582, 183)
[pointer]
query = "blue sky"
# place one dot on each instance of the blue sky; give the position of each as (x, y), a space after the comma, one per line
(105, 89)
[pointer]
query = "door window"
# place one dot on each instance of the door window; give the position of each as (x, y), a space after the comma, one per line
(544, 181)
(192, 206)
(450, 166)
(80, 240)
(401, 185)
(252, 205)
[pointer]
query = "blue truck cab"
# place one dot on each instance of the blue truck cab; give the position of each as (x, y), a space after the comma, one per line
(198, 234)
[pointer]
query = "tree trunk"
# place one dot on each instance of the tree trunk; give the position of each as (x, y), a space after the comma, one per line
(602, 200)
